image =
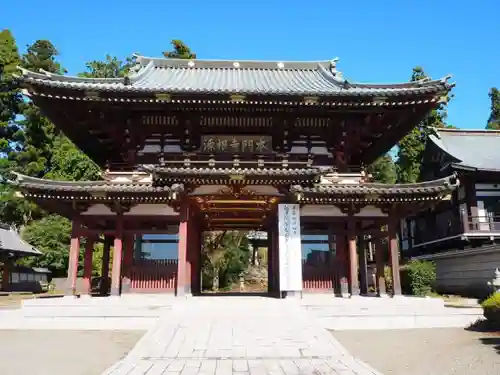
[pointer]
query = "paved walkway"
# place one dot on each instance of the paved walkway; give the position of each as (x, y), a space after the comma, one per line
(226, 335)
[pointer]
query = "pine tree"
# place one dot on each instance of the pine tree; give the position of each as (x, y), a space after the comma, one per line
(10, 97)
(180, 51)
(411, 147)
(494, 119)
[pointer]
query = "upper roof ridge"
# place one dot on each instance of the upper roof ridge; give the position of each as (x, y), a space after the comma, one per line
(468, 131)
(234, 63)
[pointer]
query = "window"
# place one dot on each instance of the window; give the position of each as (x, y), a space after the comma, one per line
(315, 248)
(158, 246)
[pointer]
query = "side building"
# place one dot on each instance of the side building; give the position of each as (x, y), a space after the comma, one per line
(461, 235)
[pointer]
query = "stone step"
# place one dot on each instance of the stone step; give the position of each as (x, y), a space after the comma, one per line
(398, 322)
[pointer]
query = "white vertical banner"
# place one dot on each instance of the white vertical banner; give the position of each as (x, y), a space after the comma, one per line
(290, 247)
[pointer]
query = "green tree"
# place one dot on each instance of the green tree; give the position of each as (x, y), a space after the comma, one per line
(13, 209)
(38, 133)
(225, 256)
(31, 142)
(383, 170)
(180, 51)
(68, 163)
(411, 147)
(44, 152)
(50, 235)
(494, 119)
(10, 97)
(111, 67)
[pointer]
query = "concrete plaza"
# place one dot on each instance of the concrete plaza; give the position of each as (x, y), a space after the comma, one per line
(235, 335)
(226, 335)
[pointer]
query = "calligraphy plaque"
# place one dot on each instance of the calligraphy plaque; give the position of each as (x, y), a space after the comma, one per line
(290, 247)
(236, 144)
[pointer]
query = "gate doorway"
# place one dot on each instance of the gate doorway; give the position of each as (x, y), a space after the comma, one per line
(235, 262)
(237, 223)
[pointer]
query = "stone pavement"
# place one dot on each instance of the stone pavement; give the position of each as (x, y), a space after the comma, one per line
(238, 335)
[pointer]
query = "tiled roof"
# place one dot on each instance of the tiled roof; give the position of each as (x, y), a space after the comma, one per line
(472, 149)
(250, 172)
(34, 183)
(159, 75)
(11, 241)
(444, 185)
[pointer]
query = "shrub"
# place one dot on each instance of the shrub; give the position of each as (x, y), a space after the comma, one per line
(491, 309)
(421, 277)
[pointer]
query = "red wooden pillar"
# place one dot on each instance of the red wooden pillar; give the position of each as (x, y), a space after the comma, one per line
(87, 266)
(117, 257)
(353, 255)
(394, 255)
(105, 265)
(74, 254)
(182, 288)
(128, 259)
(190, 261)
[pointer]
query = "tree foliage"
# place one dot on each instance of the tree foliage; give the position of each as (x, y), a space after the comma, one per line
(68, 163)
(111, 67)
(411, 147)
(10, 97)
(32, 145)
(225, 256)
(180, 51)
(494, 119)
(50, 235)
(383, 170)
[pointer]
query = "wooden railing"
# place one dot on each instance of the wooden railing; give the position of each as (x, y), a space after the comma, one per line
(317, 276)
(154, 275)
(473, 224)
(482, 224)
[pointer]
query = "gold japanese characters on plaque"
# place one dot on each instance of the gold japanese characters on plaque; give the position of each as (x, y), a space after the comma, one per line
(236, 144)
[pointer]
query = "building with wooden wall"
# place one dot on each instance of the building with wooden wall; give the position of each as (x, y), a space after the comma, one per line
(461, 234)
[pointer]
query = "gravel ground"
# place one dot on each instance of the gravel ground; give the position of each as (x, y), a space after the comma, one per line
(63, 352)
(438, 351)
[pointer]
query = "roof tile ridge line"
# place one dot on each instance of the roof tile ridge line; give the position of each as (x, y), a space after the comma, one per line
(410, 84)
(328, 75)
(439, 181)
(165, 62)
(467, 131)
(142, 58)
(137, 76)
(20, 178)
(45, 75)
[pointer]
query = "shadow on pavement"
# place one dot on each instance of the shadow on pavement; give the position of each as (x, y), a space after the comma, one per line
(493, 341)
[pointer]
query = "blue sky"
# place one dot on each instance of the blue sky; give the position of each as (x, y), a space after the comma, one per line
(377, 41)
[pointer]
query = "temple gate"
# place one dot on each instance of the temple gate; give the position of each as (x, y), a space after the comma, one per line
(190, 145)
